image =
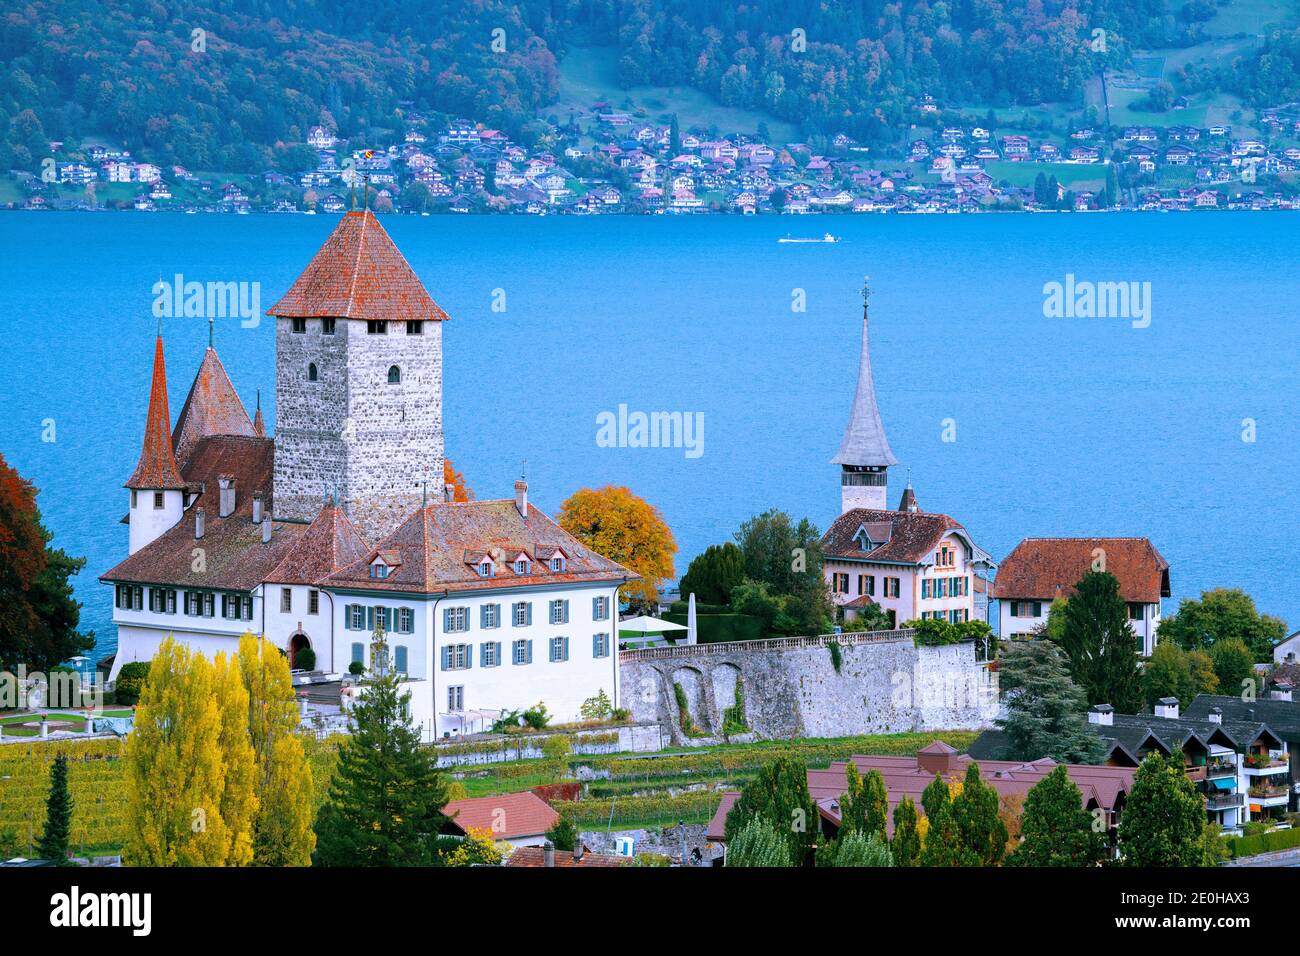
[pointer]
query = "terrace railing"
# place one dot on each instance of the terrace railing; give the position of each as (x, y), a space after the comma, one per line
(850, 639)
(1223, 801)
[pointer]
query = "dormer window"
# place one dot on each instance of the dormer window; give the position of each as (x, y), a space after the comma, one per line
(485, 569)
(557, 563)
(379, 570)
(522, 566)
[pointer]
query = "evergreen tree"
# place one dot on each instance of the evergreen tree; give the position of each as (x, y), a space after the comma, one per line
(1055, 828)
(864, 808)
(564, 835)
(54, 843)
(758, 843)
(1101, 644)
(385, 801)
(1164, 820)
(283, 834)
(712, 575)
(1044, 707)
(906, 845)
(942, 839)
(856, 849)
(982, 833)
(778, 795)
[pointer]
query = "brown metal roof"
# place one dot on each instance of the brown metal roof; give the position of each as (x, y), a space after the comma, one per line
(359, 274)
(1047, 568)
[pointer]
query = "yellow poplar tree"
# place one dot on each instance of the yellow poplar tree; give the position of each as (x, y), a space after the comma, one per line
(239, 803)
(283, 834)
(174, 772)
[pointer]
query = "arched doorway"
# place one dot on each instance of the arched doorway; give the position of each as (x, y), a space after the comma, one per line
(297, 644)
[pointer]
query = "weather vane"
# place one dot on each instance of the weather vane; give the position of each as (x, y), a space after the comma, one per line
(866, 289)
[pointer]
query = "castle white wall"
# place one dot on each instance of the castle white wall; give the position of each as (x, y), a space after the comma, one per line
(147, 522)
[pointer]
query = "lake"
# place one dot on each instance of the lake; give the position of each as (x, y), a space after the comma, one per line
(1062, 426)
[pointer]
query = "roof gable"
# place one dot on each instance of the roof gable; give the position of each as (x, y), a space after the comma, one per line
(1047, 568)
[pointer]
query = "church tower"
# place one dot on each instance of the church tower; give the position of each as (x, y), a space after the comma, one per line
(864, 457)
(157, 491)
(358, 394)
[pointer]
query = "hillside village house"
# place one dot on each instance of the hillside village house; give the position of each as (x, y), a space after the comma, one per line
(488, 606)
(1040, 570)
(910, 563)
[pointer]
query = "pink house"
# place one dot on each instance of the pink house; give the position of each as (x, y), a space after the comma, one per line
(910, 563)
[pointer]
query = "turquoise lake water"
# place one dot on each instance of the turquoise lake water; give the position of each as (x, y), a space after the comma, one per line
(1063, 426)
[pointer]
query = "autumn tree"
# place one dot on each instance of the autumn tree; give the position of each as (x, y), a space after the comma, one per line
(617, 524)
(38, 615)
(1055, 828)
(239, 803)
(282, 834)
(461, 490)
(174, 773)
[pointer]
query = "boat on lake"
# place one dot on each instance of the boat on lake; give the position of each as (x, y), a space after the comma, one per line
(826, 238)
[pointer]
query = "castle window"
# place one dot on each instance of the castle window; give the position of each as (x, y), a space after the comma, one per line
(299, 326)
(312, 374)
(157, 499)
(394, 375)
(327, 326)
(415, 328)
(132, 497)
(557, 564)
(485, 569)
(521, 566)
(376, 327)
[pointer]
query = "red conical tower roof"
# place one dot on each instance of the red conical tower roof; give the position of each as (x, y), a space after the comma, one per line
(211, 408)
(157, 467)
(359, 274)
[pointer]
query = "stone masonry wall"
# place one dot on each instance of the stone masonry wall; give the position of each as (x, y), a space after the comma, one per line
(884, 686)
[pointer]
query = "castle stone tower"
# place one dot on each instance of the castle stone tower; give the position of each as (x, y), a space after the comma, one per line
(864, 456)
(358, 382)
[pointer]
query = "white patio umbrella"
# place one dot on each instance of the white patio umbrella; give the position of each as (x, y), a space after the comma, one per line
(644, 625)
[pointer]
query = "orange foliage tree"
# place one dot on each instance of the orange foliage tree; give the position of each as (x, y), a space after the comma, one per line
(450, 476)
(624, 528)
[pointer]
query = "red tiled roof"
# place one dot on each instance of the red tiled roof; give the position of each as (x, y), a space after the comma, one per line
(359, 274)
(912, 535)
(211, 408)
(1047, 568)
(235, 557)
(431, 546)
(157, 469)
(508, 816)
(328, 544)
(535, 857)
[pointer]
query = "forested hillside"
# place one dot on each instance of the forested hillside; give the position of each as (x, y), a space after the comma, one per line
(130, 71)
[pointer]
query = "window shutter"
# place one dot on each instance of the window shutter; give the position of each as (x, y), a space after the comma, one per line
(469, 656)
(564, 648)
(565, 608)
(530, 652)
(498, 648)
(528, 619)
(595, 609)
(595, 645)
(446, 658)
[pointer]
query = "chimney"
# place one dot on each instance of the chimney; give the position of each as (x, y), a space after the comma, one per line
(200, 521)
(578, 849)
(521, 497)
(1103, 715)
(257, 507)
(266, 530)
(1215, 716)
(1281, 690)
(227, 497)
(548, 854)
(449, 492)
(1167, 707)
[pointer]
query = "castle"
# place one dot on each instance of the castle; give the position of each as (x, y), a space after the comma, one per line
(313, 536)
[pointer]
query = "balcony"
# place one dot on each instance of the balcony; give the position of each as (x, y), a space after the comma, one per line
(1218, 768)
(1269, 795)
(1264, 764)
(1195, 774)
(1223, 801)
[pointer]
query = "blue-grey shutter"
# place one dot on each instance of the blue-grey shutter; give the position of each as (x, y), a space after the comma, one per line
(595, 645)
(564, 649)
(530, 653)
(499, 649)
(528, 617)
(469, 656)
(400, 662)
(446, 658)
(482, 615)
(482, 654)
(370, 619)
(595, 609)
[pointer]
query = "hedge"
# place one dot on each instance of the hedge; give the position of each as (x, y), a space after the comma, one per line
(1264, 842)
(722, 628)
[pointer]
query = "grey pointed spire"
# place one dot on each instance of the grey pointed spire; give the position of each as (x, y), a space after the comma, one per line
(864, 438)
